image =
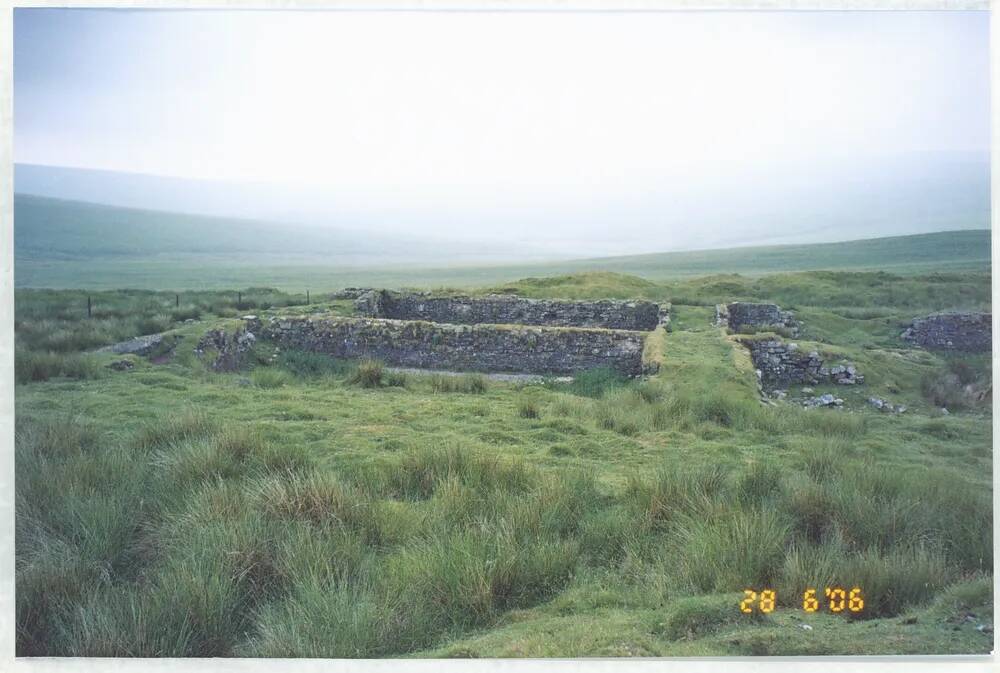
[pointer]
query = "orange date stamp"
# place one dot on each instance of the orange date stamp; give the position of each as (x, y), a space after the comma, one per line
(835, 599)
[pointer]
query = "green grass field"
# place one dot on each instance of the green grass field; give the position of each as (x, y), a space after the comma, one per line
(312, 507)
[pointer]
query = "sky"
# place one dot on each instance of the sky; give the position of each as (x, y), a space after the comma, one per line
(584, 131)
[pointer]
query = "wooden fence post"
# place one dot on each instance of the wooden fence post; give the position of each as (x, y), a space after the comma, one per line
(88, 305)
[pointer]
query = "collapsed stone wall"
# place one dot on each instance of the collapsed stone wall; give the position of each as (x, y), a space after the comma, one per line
(505, 309)
(741, 315)
(484, 348)
(230, 349)
(969, 332)
(781, 364)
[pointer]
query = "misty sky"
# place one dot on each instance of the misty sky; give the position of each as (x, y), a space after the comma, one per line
(548, 127)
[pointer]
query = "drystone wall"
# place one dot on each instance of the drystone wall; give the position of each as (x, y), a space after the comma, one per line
(483, 348)
(969, 332)
(782, 364)
(741, 315)
(513, 310)
(230, 350)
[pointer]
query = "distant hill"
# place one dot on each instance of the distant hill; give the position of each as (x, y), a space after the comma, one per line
(830, 200)
(943, 250)
(55, 229)
(68, 244)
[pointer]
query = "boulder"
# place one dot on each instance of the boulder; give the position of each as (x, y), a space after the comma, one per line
(141, 345)
(886, 406)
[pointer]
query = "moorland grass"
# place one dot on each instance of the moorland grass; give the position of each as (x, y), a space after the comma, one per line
(466, 383)
(527, 407)
(494, 534)
(31, 365)
(370, 519)
(270, 377)
(303, 364)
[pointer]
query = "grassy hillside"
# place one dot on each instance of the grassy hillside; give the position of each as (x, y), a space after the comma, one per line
(59, 230)
(65, 244)
(944, 250)
(297, 508)
(53, 230)
(862, 293)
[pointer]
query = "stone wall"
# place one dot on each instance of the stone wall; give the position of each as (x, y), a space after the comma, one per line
(969, 332)
(781, 364)
(512, 310)
(229, 349)
(483, 348)
(741, 315)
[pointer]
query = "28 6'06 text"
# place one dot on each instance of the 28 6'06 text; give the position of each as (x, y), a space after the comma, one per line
(836, 599)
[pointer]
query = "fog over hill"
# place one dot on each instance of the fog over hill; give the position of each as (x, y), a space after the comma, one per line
(58, 228)
(778, 204)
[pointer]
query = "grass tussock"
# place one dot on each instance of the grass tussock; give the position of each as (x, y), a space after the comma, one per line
(34, 366)
(418, 474)
(473, 384)
(469, 579)
(374, 374)
(317, 497)
(528, 407)
(735, 549)
(630, 412)
(271, 377)
(389, 557)
(189, 424)
(756, 527)
(889, 581)
(368, 374)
